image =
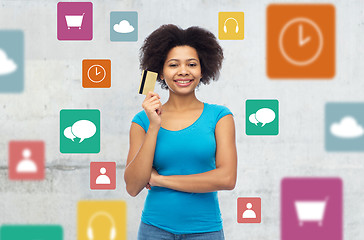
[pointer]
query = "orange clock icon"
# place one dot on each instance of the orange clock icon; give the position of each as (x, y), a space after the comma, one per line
(300, 41)
(96, 73)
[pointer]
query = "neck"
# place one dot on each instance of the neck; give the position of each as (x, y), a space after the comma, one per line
(182, 102)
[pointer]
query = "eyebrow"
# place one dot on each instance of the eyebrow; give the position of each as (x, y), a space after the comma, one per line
(190, 59)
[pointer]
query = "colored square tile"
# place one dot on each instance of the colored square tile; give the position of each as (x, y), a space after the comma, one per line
(11, 61)
(26, 160)
(261, 117)
(344, 127)
(101, 220)
(311, 208)
(80, 131)
(36, 232)
(74, 21)
(102, 175)
(123, 26)
(301, 41)
(231, 25)
(96, 73)
(249, 210)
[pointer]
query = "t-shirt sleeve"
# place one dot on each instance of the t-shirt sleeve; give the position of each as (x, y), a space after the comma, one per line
(222, 111)
(141, 119)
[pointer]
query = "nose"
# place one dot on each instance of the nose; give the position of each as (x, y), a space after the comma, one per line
(183, 70)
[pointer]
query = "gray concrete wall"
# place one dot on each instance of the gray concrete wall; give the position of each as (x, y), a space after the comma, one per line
(53, 82)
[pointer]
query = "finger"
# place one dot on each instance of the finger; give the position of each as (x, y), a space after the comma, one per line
(148, 103)
(155, 102)
(156, 107)
(152, 94)
(159, 109)
(154, 98)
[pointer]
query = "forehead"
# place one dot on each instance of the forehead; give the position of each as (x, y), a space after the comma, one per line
(182, 53)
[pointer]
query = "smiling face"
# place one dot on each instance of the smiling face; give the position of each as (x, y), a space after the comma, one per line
(182, 70)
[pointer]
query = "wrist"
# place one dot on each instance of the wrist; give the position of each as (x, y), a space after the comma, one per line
(154, 128)
(159, 180)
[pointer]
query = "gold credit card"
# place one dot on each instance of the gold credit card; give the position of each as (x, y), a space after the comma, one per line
(147, 83)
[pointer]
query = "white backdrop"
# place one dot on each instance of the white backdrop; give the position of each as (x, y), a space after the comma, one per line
(53, 82)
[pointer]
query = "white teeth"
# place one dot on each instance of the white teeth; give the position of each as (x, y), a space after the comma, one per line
(184, 81)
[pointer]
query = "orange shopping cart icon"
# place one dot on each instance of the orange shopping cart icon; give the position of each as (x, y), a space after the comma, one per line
(301, 41)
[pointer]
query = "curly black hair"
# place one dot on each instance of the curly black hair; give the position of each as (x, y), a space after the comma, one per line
(156, 46)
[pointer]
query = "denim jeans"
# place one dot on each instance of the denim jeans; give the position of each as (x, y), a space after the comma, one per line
(149, 232)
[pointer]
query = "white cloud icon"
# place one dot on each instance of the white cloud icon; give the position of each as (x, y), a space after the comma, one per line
(6, 65)
(123, 27)
(347, 128)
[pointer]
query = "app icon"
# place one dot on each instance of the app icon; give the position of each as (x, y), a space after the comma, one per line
(74, 21)
(231, 25)
(261, 117)
(301, 41)
(123, 26)
(344, 127)
(101, 220)
(311, 208)
(103, 175)
(11, 61)
(249, 210)
(36, 232)
(80, 131)
(96, 73)
(26, 160)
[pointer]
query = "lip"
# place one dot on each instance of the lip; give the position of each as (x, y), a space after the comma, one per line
(183, 84)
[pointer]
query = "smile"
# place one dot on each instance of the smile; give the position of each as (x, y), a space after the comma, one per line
(184, 82)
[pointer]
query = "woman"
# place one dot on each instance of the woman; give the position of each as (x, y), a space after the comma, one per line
(184, 150)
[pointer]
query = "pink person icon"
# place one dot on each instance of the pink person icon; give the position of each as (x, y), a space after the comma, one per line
(249, 210)
(103, 175)
(26, 160)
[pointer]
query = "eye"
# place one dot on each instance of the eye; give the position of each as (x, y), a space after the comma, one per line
(193, 64)
(173, 65)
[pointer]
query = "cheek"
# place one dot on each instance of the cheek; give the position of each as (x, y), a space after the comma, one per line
(198, 74)
(168, 74)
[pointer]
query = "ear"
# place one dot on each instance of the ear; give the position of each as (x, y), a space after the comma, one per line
(161, 76)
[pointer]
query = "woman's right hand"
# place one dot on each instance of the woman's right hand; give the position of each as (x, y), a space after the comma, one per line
(153, 108)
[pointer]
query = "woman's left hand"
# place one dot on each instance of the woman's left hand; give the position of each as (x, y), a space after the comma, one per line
(154, 180)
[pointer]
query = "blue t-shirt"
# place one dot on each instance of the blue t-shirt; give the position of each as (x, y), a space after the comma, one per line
(188, 151)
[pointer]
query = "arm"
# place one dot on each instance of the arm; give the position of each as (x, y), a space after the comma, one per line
(142, 147)
(221, 178)
(140, 158)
